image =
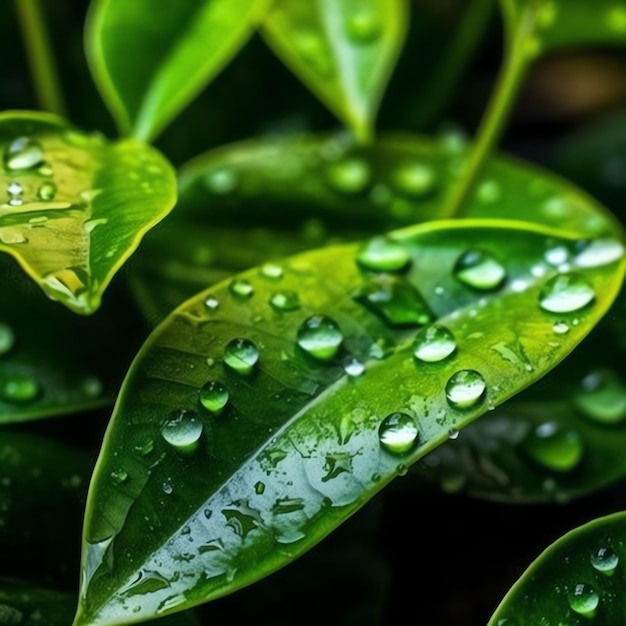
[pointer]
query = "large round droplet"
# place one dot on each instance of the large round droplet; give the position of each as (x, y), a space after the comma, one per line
(555, 448)
(19, 389)
(320, 336)
(7, 338)
(398, 433)
(23, 153)
(480, 270)
(241, 288)
(350, 175)
(214, 396)
(182, 429)
(416, 180)
(383, 255)
(433, 344)
(465, 389)
(604, 560)
(599, 252)
(602, 398)
(565, 293)
(583, 599)
(241, 355)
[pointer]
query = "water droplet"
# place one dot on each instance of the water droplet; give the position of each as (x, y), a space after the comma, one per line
(489, 192)
(241, 355)
(416, 180)
(19, 389)
(91, 387)
(480, 270)
(221, 181)
(398, 433)
(364, 27)
(23, 153)
(583, 599)
(465, 389)
(285, 300)
(383, 255)
(353, 367)
(320, 336)
(351, 175)
(47, 191)
(605, 560)
(182, 429)
(453, 434)
(599, 252)
(603, 397)
(560, 327)
(145, 447)
(7, 338)
(271, 271)
(119, 476)
(167, 488)
(14, 189)
(554, 447)
(565, 293)
(211, 303)
(395, 300)
(241, 288)
(433, 344)
(214, 397)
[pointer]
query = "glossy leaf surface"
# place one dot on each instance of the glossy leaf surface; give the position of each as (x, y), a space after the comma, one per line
(74, 207)
(149, 61)
(266, 410)
(343, 50)
(578, 580)
(231, 197)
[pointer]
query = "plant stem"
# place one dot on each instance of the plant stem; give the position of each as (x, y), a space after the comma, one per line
(511, 76)
(40, 57)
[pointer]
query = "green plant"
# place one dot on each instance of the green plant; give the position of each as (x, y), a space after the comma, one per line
(286, 323)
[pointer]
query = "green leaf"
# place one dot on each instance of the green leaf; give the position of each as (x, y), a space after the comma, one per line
(76, 207)
(578, 580)
(266, 410)
(343, 192)
(343, 50)
(150, 61)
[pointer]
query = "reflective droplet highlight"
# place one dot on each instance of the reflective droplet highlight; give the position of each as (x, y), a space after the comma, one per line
(47, 191)
(211, 303)
(285, 300)
(383, 255)
(465, 389)
(271, 271)
(480, 270)
(605, 560)
(23, 153)
(398, 433)
(214, 397)
(241, 288)
(182, 429)
(555, 448)
(433, 344)
(566, 293)
(320, 336)
(560, 328)
(353, 367)
(583, 599)
(241, 355)
(599, 252)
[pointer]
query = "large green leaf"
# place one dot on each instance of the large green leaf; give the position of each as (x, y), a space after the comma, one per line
(236, 204)
(76, 207)
(343, 50)
(266, 410)
(578, 580)
(150, 60)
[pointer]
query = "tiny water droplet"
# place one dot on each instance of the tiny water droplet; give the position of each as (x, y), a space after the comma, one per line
(599, 252)
(241, 355)
(19, 389)
(167, 488)
(398, 433)
(271, 271)
(119, 476)
(605, 560)
(489, 192)
(23, 153)
(433, 344)
(320, 336)
(350, 175)
(259, 488)
(566, 293)
(416, 179)
(91, 387)
(602, 398)
(221, 181)
(554, 447)
(285, 300)
(214, 397)
(7, 338)
(145, 448)
(241, 288)
(453, 434)
(353, 367)
(560, 327)
(211, 303)
(15, 189)
(480, 270)
(383, 255)
(465, 389)
(364, 27)
(47, 191)
(583, 599)
(182, 429)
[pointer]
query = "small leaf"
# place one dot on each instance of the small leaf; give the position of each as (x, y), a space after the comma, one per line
(246, 430)
(343, 50)
(579, 579)
(74, 207)
(150, 61)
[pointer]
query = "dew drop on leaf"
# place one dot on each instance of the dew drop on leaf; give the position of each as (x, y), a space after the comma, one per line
(320, 336)
(398, 433)
(241, 355)
(214, 397)
(353, 367)
(241, 288)
(182, 429)
(489, 192)
(350, 175)
(383, 255)
(554, 447)
(271, 271)
(285, 300)
(599, 252)
(433, 344)
(465, 389)
(560, 327)
(47, 191)
(480, 270)
(211, 303)
(119, 476)
(364, 27)
(19, 389)
(415, 179)
(23, 153)
(583, 599)
(566, 293)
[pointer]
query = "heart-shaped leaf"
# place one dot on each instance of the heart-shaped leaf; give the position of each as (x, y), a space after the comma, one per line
(343, 50)
(149, 61)
(578, 580)
(265, 411)
(75, 207)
